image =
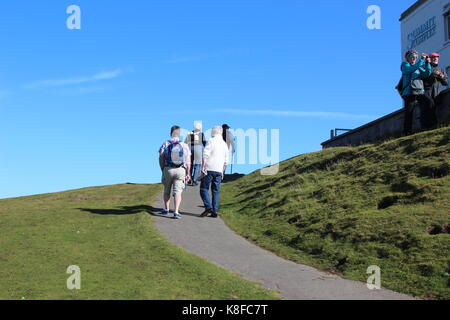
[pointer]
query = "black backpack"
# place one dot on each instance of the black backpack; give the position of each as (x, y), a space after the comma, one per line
(191, 139)
(399, 86)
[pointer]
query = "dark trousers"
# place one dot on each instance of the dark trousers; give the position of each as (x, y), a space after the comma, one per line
(428, 118)
(213, 180)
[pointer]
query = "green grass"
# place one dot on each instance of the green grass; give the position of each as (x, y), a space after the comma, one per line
(345, 209)
(109, 234)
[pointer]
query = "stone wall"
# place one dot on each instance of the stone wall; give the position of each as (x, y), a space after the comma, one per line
(388, 126)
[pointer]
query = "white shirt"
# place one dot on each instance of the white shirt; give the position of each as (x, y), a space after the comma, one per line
(230, 141)
(215, 154)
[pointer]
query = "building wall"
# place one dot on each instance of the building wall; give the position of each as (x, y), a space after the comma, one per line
(388, 126)
(426, 30)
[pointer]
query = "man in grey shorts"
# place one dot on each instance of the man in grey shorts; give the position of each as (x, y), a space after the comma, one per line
(175, 163)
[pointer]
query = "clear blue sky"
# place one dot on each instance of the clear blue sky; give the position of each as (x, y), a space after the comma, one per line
(90, 107)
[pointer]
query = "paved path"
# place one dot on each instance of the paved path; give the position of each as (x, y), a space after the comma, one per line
(213, 240)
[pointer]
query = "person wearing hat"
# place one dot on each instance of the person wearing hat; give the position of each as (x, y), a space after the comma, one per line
(414, 71)
(437, 78)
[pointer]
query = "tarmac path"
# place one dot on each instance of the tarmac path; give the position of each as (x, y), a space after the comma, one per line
(211, 239)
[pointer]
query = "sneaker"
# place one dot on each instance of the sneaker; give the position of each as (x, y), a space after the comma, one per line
(214, 215)
(177, 216)
(205, 213)
(165, 212)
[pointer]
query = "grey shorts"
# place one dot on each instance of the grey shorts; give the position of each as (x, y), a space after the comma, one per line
(174, 178)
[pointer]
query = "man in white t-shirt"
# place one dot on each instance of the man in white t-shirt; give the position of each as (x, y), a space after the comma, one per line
(215, 160)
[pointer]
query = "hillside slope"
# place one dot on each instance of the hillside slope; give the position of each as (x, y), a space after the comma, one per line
(109, 233)
(345, 209)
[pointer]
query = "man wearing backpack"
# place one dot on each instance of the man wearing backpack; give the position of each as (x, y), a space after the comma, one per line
(414, 71)
(175, 163)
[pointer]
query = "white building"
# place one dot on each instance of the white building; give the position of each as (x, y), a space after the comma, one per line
(425, 27)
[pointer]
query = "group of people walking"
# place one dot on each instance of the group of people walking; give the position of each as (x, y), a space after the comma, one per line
(192, 161)
(197, 161)
(421, 82)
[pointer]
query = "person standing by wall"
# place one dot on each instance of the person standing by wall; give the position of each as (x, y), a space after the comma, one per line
(438, 78)
(433, 86)
(414, 71)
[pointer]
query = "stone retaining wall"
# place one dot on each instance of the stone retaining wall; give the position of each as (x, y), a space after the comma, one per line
(388, 126)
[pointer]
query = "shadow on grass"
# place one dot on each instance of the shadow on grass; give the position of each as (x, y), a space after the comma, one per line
(124, 210)
(232, 177)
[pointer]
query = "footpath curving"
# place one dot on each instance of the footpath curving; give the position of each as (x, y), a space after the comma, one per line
(211, 239)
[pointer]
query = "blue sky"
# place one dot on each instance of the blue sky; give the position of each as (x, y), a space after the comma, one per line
(90, 107)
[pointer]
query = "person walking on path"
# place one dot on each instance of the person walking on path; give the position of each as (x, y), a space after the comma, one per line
(197, 142)
(228, 137)
(414, 72)
(175, 163)
(215, 160)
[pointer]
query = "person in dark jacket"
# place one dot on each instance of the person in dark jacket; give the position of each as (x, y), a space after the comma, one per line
(196, 141)
(432, 86)
(437, 78)
(414, 71)
(228, 137)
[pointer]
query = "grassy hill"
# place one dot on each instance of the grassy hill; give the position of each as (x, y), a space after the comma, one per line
(109, 234)
(345, 209)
